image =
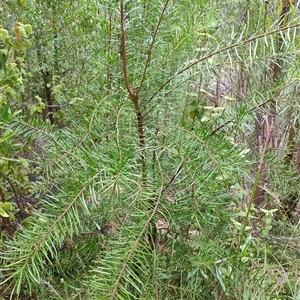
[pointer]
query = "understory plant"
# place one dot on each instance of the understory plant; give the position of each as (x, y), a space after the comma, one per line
(158, 170)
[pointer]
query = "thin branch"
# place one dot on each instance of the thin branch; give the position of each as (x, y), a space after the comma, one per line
(219, 51)
(133, 95)
(147, 224)
(26, 263)
(152, 46)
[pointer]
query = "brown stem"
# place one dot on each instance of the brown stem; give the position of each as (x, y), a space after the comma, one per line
(264, 142)
(267, 130)
(140, 125)
(298, 160)
(133, 95)
(48, 95)
(290, 146)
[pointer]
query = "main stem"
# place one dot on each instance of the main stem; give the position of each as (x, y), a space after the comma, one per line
(133, 95)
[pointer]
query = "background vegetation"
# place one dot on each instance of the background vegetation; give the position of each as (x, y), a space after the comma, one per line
(149, 149)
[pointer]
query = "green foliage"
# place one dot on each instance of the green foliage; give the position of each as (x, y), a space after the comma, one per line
(5, 209)
(145, 165)
(12, 62)
(13, 169)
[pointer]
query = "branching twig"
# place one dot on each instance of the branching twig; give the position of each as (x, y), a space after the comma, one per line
(219, 51)
(151, 47)
(143, 231)
(131, 92)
